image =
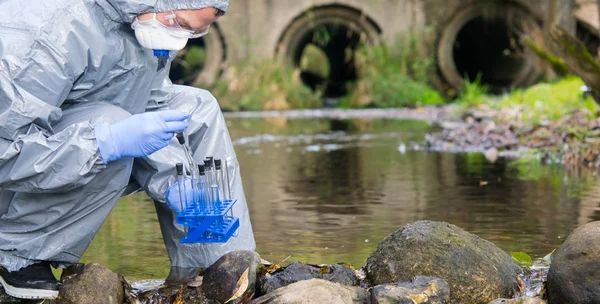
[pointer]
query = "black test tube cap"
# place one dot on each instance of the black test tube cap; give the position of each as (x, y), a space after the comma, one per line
(217, 164)
(207, 164)
(180, 138)
(179, 167)
(201, 169)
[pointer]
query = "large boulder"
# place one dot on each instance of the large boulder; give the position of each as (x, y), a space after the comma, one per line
(91, 284)
(232, 278)
(297, 271)
(574, 275)
(476, 270)
(421, 290)
(315, 291)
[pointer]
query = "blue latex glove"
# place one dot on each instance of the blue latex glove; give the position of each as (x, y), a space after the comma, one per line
(188, 195)
(139, 135)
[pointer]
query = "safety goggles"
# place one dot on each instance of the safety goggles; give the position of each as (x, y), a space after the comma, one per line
(171, 20)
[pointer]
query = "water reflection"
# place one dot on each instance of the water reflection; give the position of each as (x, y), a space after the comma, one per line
(328, 191)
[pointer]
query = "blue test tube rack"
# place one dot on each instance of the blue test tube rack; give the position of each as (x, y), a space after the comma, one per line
(208, 222)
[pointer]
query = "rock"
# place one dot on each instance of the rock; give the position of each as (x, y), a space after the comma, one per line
(574, 275)
(491, 155)
(476, 270)
(453, 125)
(315, 291)
(298, 271)
(232, 278)
(174, 294)
(92, 284)
(421, 290)
(519, 301)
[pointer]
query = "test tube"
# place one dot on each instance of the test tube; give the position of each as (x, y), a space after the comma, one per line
(202, 187)
(181, 140)
(208, 180)
(227, 179)
(229, 196)
(179, 168)
(219, 178)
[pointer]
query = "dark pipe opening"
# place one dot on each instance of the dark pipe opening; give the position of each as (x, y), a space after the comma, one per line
(489, 47)
(189, 62)
(338, 43)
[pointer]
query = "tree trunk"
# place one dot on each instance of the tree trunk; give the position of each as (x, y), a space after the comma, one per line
(576, 57)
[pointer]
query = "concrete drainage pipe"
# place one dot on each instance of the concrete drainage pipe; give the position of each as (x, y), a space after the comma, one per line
(342, 28)
(484, 39)
(205, 67)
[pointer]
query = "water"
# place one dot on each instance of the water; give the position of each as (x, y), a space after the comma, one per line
(325, 191)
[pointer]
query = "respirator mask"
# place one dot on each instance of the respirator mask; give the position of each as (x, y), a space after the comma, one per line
(156, 35)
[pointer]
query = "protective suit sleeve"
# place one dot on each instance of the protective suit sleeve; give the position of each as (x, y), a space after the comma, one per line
(38, 154)
(156, 172)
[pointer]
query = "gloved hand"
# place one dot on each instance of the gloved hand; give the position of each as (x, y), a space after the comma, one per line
(139, 135)
(188, 195)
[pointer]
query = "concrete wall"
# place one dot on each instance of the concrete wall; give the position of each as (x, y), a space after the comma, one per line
(252, 28)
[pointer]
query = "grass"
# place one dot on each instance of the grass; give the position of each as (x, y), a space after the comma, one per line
(395, 75)
(541, 102)
(264, 85)
(549, 101)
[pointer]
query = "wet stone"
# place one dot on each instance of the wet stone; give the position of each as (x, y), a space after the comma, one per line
(298, 272)
(421, 290)
(173, 293)
(91, 284)
(476, 270)
(519, 301)
(574, 275)
(232, 278)
(315, 291)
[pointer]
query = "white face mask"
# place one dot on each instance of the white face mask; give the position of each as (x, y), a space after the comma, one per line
(154, 35)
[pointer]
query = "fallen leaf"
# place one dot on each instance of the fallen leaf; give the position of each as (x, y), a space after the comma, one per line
(241, 286)
(178, 299)
(273, 268)
(521, 285)
(324, 269)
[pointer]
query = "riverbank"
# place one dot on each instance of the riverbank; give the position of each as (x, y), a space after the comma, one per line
(554, 123)
(422, 262)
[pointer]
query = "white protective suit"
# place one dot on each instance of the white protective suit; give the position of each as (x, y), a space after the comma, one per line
(65, 66)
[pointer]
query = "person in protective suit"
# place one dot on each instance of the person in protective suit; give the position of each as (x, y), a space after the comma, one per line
(87, 115)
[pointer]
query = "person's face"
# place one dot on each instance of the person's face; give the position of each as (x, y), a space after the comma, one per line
(193, 20)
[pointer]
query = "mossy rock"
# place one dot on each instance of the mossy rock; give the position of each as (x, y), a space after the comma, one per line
(476, 270)
(92, 284)
(574, 275)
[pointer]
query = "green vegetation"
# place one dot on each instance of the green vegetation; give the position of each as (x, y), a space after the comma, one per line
(549, 101)
(474, 93)
(541, 102)
(522, 258)
(395, 75)
(264, 85)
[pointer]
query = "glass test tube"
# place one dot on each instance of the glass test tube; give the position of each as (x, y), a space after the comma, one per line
(202, 187)
(207, 168)
(179, 169)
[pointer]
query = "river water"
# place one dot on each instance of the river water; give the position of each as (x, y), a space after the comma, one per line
(327, 191)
